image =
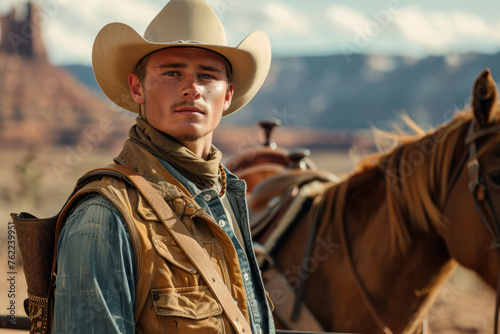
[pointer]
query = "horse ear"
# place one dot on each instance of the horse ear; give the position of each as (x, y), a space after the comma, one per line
(484, 96)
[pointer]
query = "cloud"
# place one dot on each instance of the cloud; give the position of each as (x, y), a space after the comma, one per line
(126, 11)
(473, 26)
(441, 31)
(285, 20)
(68, 45)
(294, 27)
(428, 29)
(346, 18)
(6, 5)
(73, 25)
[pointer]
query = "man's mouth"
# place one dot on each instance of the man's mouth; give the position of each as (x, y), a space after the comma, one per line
(189, 110)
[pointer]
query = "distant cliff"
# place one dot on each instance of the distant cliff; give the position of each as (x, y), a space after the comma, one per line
(45, 104)
(329, 92)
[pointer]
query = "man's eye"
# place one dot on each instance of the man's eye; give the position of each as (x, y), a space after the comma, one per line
(206, 76)
(171, 73)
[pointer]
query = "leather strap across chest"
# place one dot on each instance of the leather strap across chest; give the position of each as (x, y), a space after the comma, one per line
(189, 246)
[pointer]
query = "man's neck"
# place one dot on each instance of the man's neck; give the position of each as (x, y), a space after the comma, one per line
(200, 147)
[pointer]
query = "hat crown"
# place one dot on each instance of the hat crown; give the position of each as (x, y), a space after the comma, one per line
(186, 20)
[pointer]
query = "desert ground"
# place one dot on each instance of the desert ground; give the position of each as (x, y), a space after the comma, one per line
(465, 304)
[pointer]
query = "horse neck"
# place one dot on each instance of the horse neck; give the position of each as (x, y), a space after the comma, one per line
(398, 283)
(400, 278)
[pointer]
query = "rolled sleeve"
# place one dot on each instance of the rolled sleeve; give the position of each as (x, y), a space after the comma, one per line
(95, 288)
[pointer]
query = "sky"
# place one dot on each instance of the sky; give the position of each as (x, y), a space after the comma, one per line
(414, 28)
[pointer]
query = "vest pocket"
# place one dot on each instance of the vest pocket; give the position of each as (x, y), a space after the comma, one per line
(182, 310)
(168, 249)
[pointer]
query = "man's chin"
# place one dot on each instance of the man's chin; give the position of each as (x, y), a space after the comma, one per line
(189, 139)
(182, 138)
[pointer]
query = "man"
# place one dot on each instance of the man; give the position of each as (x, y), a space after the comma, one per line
(119, 270)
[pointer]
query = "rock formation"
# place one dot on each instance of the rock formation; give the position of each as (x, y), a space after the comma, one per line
(43, 104)
(22, 36)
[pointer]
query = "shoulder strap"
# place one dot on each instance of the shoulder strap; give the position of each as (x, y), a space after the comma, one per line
(189, 246)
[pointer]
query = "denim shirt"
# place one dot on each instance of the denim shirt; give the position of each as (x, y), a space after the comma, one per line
(260, 314)
(95, 287)
(95, 255)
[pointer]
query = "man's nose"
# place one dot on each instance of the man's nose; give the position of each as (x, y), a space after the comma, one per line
(191, 87)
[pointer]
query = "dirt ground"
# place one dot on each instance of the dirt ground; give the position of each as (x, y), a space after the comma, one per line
(465, 304)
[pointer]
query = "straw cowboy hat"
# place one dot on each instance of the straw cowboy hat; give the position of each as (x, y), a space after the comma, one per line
(181, 23)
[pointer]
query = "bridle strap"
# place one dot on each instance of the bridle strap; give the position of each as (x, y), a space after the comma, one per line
(474, 136)
(463, 160)
(456, 175)
(479, 191)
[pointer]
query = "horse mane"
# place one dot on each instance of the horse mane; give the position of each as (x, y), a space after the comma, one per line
(417, 168)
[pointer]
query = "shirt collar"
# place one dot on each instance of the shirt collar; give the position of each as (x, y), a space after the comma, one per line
(233, 183)
(190, 186)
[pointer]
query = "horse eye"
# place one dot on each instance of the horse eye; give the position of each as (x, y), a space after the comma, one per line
(495, 177)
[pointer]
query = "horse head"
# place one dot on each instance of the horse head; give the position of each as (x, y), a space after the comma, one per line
(473, 237)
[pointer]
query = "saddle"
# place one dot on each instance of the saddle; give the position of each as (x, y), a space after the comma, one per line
(279, 196)
(274, 205)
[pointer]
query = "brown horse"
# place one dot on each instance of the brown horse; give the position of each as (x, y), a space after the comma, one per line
(391, 233)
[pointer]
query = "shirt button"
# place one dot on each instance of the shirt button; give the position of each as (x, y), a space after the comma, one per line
(207, 197)
(246, 277)
(222, 223)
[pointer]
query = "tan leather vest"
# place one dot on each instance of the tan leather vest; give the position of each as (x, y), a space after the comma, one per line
(171, 296)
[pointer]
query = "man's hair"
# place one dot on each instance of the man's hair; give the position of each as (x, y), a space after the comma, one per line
(140, 68)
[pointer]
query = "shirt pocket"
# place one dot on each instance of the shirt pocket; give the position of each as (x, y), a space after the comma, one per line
(185, 310)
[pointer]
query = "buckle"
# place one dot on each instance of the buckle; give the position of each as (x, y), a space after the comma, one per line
(474, 175)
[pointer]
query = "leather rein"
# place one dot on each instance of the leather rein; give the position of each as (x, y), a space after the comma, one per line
(478, 189)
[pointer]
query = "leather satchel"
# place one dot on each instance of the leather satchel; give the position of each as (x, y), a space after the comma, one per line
(37, 240)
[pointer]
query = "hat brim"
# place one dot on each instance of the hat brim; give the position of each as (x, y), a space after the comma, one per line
(118, 48)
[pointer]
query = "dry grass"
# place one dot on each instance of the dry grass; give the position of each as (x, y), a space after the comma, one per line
(44, 198)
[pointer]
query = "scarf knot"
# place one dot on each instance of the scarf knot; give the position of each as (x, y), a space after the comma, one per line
(203, 173)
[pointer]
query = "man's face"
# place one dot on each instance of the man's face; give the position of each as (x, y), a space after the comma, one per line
(184, 93)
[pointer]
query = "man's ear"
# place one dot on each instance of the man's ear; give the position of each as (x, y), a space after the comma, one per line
(135, 88)
(228, 97)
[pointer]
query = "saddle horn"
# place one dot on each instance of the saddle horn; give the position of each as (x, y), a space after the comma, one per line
(268, 126)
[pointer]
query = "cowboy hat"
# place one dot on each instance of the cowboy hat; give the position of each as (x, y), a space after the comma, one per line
(181, 23)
